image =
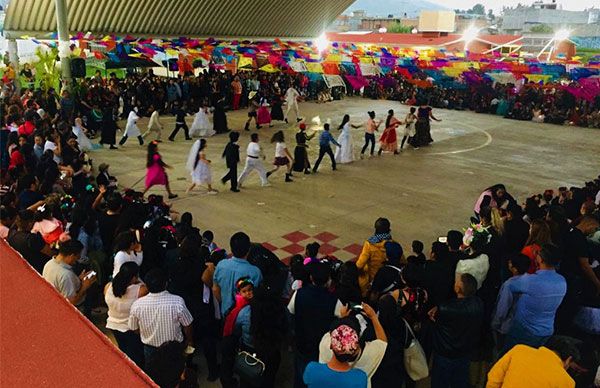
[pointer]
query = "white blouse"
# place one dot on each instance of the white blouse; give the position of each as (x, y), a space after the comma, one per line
(477, 266)
(118, 308)
(123, 257)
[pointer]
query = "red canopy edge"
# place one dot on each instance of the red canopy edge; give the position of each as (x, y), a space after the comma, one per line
(46, 342)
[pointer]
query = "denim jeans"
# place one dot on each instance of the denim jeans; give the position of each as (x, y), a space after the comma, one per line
(519, 334)
(130, 344)
(450, 372)
(369, 138)
(300, 363)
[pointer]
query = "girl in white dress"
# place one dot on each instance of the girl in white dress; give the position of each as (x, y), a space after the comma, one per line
(202, 125)
(409, 128)
(131, 129)
(282, 156)
(199, 167)
(79, 130)
(345, 153)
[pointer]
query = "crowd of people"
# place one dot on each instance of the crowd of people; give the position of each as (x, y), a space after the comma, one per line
(518, 292)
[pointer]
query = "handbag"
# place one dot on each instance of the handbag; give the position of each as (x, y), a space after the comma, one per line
(249, 368)
(415, 361)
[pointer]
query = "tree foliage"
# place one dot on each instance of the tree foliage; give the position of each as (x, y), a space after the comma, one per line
(399, 28)
(542, 29)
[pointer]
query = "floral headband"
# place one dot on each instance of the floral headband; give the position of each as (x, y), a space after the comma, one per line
(344, 340)
(243, 282)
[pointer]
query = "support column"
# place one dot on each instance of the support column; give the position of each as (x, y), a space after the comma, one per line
(63, 42)
(13, 57)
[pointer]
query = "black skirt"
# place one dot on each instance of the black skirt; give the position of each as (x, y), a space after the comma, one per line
(300, 159)
(277, 112)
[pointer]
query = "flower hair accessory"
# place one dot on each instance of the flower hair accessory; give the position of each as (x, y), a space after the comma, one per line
(243, 282)
(477, 232)
(344, 340)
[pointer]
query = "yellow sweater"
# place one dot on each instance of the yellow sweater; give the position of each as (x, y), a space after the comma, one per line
(371, 259)
(524, 366)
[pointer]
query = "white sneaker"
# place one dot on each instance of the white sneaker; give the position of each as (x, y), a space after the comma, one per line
(266, 185)
(213, 192)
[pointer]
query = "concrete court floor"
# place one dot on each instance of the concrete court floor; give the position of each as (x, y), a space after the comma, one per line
(423, 192)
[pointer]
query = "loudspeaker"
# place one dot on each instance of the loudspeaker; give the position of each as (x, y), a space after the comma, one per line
(78, 68)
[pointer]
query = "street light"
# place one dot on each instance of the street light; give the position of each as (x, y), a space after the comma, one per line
(562, 34)
(322, 43)
(469, 35)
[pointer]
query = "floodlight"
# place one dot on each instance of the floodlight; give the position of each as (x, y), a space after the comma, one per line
(562, 34)
(470, 34)
(322, 43)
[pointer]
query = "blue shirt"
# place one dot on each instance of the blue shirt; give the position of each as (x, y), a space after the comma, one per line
(326, 138)
(320, 375)
(505, 307)
(230, 271)
(540, 295)
(242, 325)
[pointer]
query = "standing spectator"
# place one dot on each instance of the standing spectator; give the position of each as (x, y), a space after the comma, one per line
(59, 272)
(236, 88)
(160, 316)
(507, 301)
(373, 255)
(229, 271)
(339, 371)
(539, 297)
(457, 324)
(127, 248)
(314, 308)
(119, 295)
(524, 366)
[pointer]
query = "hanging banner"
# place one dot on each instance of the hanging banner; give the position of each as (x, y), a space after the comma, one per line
(314, 67)
(537, 78)
(269, 68)
(334, 80)
(244, 62)
(368, 69)
(297, 66)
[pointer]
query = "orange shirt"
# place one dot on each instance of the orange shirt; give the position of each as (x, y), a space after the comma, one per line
(531, 251)
(237, 87)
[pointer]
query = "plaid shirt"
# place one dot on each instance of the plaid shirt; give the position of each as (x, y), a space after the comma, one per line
(159, 317)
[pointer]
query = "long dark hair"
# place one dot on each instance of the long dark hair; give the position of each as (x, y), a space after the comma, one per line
(124, 240)
(153, 150)
(345, 120)
(202, 146)
(121, 281)
(388, 120)
(278, 137)
(268, 319)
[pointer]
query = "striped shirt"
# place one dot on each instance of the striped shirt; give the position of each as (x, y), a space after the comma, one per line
(159, 318)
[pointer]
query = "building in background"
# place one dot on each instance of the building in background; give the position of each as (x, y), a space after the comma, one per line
(547, 17)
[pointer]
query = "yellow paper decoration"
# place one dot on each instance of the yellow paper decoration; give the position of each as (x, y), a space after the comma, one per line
(314, 67)
(244, 62)
(269, 68)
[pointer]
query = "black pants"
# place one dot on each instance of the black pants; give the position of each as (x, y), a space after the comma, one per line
(369, 138)
(130, 344)
(322, 151)
(232, 176)
(124, 139)
(178, 126)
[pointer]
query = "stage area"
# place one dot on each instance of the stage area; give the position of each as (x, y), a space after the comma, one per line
(423, 192)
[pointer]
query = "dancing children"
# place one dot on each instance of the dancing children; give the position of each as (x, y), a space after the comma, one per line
(291, 99)
(344, 153)
(389, 140)
(325, 141)
(301, 161)
(254, 158)
(409, 128)
(154, 124)
(252, 111)
(282, 156)
(199, 167)
(131, 129)
(372, 127)
(155, 170)
(180, 123)
(232, 158)
(201, 125)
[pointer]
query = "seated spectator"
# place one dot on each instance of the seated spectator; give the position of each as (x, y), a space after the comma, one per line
(540, 294)
(338, 372)
(29, 195)
(8, 214)
(312, 253)
(373, 254)
(525, 366)
(418, 257)
(59, 272)
(30, 245)
(477, 263)
(539, 235)
(456, 328)
(119, 295)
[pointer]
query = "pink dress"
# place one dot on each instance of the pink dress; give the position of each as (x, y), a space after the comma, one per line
(264, 116)
(155, 174)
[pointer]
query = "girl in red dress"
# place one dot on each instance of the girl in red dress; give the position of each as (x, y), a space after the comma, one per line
(389, 139)
(155, 170)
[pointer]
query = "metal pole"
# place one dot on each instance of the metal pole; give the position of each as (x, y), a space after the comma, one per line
(13, 56)
(64, 51)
